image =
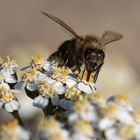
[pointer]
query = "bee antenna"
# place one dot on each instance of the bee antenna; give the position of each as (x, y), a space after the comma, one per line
(63, 24)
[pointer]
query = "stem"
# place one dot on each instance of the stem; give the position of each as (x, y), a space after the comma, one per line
(17, 116)
(20, 122)
(48, 111)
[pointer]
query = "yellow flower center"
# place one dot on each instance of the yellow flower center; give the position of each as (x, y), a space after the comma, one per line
(84, 127)
(123, 99)
(56, 73)
(49, 125)
(5, 95)
(8, 60)
(127, 132)
(137, 115)
(30, 76)
(74, 94)
(110, 110)
(38, 59)
(46, 90)
(10, 125)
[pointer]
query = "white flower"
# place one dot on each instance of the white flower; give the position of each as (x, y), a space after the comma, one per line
(32, 87)
(65, 104)
(22, 134)
(8, 71)
(125, 116)
(8, 100)
(137, 131)
(83, 111)
(20, 85)
(40, 102)
(55, 100)
(12, 106)
(12, 130)
(79, 136)
(48, 67)
(70, 82)
(8, 68)
(41, 77)
(111, 134)
(51, 129)
(122, 101)
(10, 79)
(59, 88)
(4, 85)
(48, 91)
(105, 123)
(86, 88)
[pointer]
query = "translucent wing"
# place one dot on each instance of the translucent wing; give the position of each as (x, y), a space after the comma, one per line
(110, 36)
(63, 24)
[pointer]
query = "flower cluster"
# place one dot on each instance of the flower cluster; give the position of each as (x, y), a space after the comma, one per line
(8, 71)
(72, 110)
(51, 129)
(8, 99)
(13, 131)
(95, 119)
(52, 86)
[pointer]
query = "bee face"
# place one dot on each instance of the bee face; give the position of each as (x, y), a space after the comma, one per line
(93, 59)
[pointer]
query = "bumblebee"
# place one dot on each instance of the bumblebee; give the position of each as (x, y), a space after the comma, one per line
(87, 50)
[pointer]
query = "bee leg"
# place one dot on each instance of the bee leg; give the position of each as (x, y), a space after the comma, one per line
(97, 72)
(83, 73)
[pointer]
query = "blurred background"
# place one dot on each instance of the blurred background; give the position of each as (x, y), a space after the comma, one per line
(24, 32)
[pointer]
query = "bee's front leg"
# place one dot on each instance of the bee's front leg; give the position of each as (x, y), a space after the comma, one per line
(97, 73)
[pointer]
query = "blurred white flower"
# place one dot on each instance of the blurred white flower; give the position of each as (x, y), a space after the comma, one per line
(51, 129)
(65, 104)
(13, 131)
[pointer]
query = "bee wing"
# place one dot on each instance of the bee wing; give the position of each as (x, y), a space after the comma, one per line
(110, 36)
(62, 23)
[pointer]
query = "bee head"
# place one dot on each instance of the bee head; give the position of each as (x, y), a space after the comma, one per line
(93, 59)
(94, 53)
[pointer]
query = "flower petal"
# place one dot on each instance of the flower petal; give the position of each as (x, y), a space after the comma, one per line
(54, 100)
(65, 104)
(32, 87)
(12, 106)
(59, 88)
(48, 67)
(5, 85)
(105, 123)
(10, 79)
(111, 134)
(85, 88)
(124, 116)
(70, 82)
(41, 77)
(20, 85)
(40, 102)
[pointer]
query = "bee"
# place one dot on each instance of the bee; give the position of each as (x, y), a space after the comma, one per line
(87, 50)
